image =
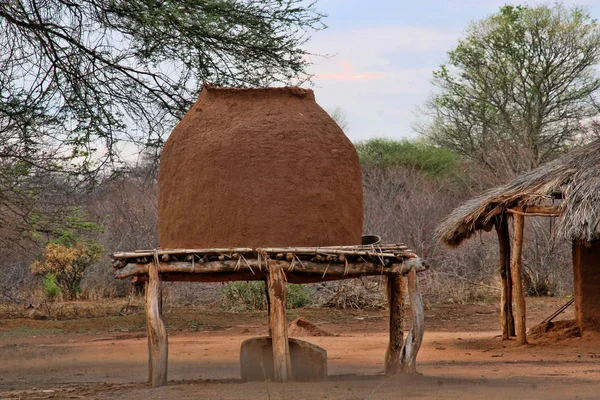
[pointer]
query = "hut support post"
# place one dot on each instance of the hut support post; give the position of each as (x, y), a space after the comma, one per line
(516, 266)
(415, 335)
(506, 310)
(395, 303)
(282, 365)
(157, 332)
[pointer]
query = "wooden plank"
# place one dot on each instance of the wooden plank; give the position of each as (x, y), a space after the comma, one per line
(396, 306)
(411, 346)
(506, 311)
(516, 267)
(157, 332)
(282, 365)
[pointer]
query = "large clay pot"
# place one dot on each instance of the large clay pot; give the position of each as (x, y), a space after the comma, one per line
(258, 167)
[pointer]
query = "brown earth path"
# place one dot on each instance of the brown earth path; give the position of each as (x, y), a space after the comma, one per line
(462, 357)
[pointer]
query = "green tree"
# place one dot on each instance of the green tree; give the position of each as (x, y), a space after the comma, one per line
(517, 90)
(429, 159)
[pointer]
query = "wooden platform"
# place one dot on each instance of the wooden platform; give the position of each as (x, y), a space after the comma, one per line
(276, 266)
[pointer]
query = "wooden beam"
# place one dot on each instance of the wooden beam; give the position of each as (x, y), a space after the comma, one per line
(157, 332)
(282, 365)
(535, 211)
(251, 269)
(395, 299)
(506, 311)
(414, 338)
(516, 267)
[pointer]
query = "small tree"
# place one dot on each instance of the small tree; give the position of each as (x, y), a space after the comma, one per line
(67, 264)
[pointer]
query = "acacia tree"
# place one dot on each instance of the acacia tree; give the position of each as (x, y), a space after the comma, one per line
(83, 81)
(78, 76)
(518, 89)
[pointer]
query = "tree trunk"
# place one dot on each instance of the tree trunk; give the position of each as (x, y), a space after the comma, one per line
(282, 365)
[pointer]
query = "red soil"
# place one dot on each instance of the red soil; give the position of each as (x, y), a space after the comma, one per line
(303, 327)
(462, 357)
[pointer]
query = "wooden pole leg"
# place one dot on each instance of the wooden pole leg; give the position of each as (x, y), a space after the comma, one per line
(395, 304)
(415, 335)
(516, 267)
(282, 365)
(157, 332)
(506, 314)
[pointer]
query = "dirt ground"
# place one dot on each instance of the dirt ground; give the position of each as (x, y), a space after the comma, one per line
(462, 357)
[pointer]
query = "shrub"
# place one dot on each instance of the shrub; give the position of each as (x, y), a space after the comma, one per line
(243, 296)
(51, 289)
(67, 264)
(251, 296)
(297, 296)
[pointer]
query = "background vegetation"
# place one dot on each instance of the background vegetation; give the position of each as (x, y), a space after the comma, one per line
(520, 89)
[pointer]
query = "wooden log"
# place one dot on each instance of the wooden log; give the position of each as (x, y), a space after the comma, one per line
(506, 311)
(228, 268)
(352, 250)
(516, 267)
(157, 332)
(411, 346)
(203, 278)
(535, 211)
(396, 305)
(282, 364)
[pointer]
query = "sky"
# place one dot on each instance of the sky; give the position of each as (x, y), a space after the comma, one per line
(381, 55)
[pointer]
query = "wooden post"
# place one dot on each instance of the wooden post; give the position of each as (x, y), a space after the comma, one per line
(282, 365)
(516, 267)
(157, 332)
(268, 298)
(506, 312)
(395, 304)
(415, 335)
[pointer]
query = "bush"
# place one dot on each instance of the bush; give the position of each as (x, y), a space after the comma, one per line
(51, 289)
(67, 264)
(251, 296)
(243, 296)
(297, 296)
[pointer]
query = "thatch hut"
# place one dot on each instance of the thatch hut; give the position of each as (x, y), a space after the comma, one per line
(567, 189)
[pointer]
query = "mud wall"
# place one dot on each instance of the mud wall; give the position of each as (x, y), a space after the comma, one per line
(586, 268)
(259, 167)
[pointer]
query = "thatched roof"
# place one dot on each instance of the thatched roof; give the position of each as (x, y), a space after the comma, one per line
(574, 177)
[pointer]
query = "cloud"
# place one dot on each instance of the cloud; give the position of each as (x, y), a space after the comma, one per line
(374, 43)
(348, 73)
(378, 75)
